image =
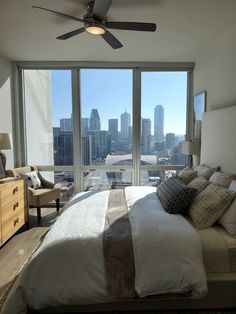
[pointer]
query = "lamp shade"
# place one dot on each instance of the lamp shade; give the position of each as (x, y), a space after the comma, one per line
(5, 141)
(191, 148)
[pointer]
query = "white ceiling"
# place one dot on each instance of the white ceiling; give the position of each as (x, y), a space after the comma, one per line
(185, 28)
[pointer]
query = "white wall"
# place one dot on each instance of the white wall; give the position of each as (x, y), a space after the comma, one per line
(215, 72)
(6, 104)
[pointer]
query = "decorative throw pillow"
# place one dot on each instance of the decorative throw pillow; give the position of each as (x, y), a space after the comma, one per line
(222, 179)
(210, 205)
(199, 183)
(187, 175)
(175, 195)
(228, 220)
(33, 179)
(205, 171)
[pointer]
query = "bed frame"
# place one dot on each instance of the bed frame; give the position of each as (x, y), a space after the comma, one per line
(218, 147)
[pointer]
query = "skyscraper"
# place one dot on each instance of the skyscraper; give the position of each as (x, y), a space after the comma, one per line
(124, 125)
(170, 140)
(66, 124)
(94, 122)
(146, 136)
(85, 126)
(113, 129)
(159, 123)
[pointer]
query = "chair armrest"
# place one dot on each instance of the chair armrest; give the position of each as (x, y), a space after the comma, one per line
(9, 173)
(30, 191)
(45, 183)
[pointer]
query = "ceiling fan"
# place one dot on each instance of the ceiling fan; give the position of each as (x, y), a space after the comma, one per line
(95, 23)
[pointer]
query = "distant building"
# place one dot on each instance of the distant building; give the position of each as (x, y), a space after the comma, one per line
(146, 136)
(113, 129)
(94, 122)
(100, 143)
(87, 150)
(85, 126)
(125, 123)
(63, 147)
(170, 140)
(66, 124)
(159, 123)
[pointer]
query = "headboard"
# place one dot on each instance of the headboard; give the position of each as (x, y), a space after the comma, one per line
(218, 145)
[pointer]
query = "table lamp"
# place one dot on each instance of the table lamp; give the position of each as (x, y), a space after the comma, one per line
(190, 148)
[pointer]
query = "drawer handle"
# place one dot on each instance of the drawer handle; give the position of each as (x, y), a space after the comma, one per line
(15, 190)
(16, 221)
(16, 206)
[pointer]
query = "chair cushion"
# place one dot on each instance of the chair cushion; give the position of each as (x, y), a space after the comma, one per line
(42, 197)
(33, 180)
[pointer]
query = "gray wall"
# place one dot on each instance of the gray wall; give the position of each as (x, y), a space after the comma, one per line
(215, 72)
(6, 104)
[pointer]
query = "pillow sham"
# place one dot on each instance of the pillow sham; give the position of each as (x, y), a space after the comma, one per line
(210, 205)
(187, 175)
(199, 183)
(205, 171)
(175, 195)
(32, 179)
(228, 220)
(222, 179)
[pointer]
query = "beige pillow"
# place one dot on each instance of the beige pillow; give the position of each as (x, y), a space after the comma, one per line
(228, 220)
(205, 171)
(222, 179)
(210, 205)
(199, 183)
(187, 175)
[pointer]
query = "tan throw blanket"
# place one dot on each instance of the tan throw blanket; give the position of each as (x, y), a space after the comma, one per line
(118, 249)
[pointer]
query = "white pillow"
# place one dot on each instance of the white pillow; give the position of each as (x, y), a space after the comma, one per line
(33, 179)
(228, 220)
(222, 179)
(205, 171)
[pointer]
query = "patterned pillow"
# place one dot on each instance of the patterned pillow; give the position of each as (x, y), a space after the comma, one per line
(33, 179)
(187, 175)
(199, 183)
(175, 195)
(228, 220)
(210, 205)
(205, 171)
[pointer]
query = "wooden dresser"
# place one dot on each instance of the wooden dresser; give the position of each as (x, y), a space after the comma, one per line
(13, 204)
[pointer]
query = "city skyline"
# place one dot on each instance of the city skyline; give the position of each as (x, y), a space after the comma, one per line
(110, 92)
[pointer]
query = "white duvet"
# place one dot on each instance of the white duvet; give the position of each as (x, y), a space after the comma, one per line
(68, 268)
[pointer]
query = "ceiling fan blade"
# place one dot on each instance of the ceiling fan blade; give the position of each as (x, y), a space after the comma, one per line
(133, 26)
(71, 34)
(112, 40)
(101, 8)
(59, 14)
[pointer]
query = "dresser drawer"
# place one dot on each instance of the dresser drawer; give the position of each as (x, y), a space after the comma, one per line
(12, 225)
(13, 208)
(11, 192)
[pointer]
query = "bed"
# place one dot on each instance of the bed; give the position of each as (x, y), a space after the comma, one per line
(161, 261)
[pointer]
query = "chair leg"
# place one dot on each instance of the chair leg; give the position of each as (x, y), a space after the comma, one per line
(39, 213)
(58, 204)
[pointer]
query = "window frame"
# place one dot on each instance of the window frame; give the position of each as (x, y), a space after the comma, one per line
(20, 144)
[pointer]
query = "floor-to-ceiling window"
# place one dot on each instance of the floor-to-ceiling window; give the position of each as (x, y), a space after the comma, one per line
(163, 123)
(48, 125)
(99, 128)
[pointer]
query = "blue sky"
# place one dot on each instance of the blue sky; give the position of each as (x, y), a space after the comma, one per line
(110, 91)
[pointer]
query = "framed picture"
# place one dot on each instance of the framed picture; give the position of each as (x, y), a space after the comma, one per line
(2, 171)
(199, 106)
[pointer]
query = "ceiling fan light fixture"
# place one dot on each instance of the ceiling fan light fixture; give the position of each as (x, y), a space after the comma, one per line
(95, 29)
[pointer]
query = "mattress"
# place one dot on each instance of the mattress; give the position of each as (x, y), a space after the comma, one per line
(219, 250)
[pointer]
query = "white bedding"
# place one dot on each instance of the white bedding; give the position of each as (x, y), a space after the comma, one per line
(68, 268)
